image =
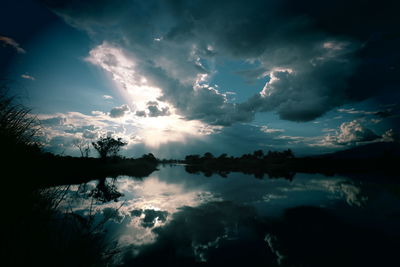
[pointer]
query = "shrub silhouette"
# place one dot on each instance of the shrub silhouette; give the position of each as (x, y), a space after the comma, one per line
(17, 125)
(149, 157)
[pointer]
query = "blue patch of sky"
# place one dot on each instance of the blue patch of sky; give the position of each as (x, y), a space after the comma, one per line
(228, 78)
(64, 81)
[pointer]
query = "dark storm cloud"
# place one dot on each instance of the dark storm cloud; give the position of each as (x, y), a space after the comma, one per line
(357, 18)
(60, 142)
(140, 113)
(384, 113)
(391, 111)
(376, 25)
(155, 111)
(118, 112)
(317, 55)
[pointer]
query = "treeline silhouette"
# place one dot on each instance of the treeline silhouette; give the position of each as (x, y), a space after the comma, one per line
(59, 170)
(256, 163)
(284, 164)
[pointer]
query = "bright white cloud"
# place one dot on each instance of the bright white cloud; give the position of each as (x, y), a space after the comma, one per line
(354, 131)
(121, 67)
(355, 111)
(7, 41)
(266, 129)
(349, 133)
(28, 77)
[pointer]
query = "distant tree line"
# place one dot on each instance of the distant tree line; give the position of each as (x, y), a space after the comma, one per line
(273, 163)
(256, 156)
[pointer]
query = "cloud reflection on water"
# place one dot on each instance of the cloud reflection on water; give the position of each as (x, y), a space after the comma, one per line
(148, 208)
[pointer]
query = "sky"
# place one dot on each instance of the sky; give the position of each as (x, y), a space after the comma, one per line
(187, 77)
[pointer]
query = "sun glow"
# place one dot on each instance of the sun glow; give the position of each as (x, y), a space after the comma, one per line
(156, 122)
(131, 85)
(159, 130)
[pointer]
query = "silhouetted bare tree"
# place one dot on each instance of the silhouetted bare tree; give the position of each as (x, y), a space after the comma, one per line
(83, 147)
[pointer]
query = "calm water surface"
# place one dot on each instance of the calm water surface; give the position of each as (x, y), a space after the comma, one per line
(174, 218)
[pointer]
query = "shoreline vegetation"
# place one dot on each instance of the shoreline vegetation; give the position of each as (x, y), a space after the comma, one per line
(283, 164)
(34, 230)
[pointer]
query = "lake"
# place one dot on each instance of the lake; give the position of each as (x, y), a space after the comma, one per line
(176, 218)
